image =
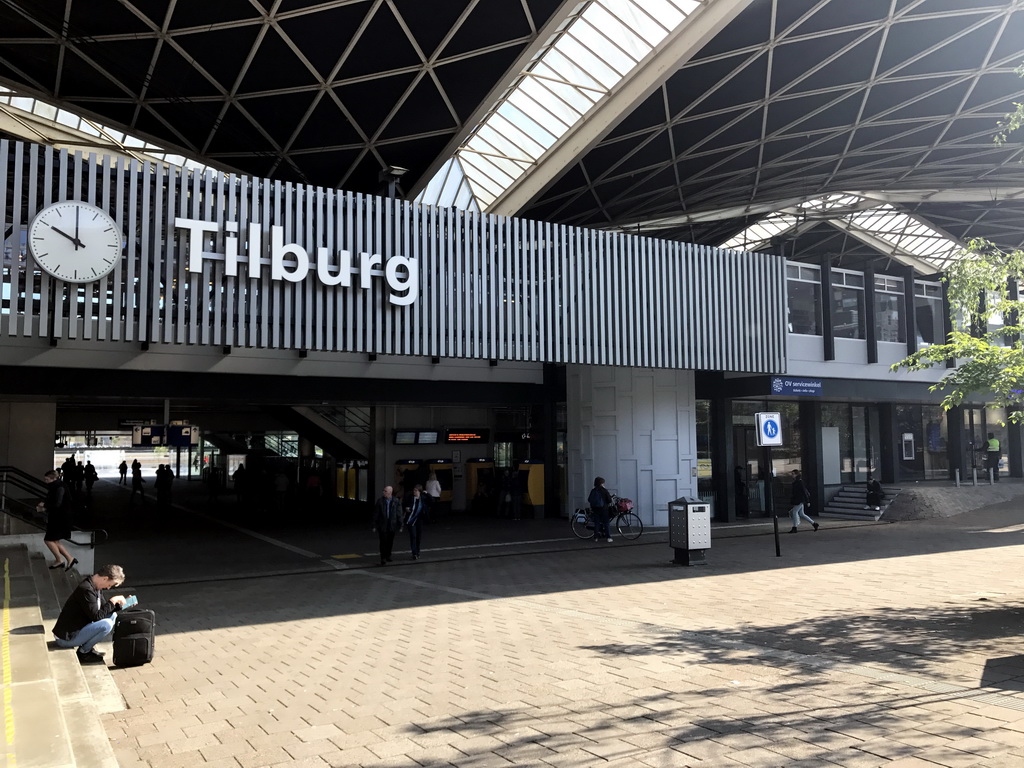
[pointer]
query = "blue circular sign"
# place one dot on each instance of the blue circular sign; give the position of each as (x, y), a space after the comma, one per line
(770, 429)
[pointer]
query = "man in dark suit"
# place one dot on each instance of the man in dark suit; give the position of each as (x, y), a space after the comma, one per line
(387, 521)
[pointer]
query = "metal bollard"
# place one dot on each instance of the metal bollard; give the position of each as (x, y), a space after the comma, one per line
(991, 480)
(958, 477)
(974, 474)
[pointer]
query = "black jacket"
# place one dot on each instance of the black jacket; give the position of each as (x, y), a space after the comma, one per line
(387, 514)
(56, 497)
(85, 606)
(798, 492)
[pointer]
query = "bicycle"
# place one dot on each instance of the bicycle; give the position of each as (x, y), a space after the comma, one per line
(621, 514)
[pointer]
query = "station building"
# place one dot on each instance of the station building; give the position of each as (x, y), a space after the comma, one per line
(444, 284)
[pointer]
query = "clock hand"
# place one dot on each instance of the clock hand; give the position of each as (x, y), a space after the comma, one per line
(78, 242)
(74, 240)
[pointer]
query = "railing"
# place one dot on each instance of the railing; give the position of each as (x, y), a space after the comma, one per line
(347, 419)
(16, 486)
(286, 445)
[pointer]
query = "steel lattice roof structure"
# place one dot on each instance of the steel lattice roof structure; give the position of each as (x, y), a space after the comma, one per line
(714, 115)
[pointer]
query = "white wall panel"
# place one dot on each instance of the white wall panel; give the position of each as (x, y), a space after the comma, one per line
(651, 458)
(489, 287)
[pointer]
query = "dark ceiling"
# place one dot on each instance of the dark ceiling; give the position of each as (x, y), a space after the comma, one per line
(797, 98)
(326, 93)
(793, 99)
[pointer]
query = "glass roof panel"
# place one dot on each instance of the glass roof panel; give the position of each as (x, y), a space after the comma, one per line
(42, 115)
(628, 44)
(647, 22)
(539, 124)
(597, 44)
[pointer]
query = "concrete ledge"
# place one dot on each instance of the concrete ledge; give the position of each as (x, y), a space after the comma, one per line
(80, 712)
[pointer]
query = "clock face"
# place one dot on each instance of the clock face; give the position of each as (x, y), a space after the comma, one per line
(74, 241)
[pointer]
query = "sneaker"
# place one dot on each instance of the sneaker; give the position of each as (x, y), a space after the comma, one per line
(878, 509)
(793, 529)
(90, 657)
(815, 526)
(609, 539)
(867, 507)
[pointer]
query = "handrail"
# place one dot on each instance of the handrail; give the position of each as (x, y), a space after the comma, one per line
(17, 478)
(345, 418)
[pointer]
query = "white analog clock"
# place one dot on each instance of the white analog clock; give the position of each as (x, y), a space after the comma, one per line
(74, 241)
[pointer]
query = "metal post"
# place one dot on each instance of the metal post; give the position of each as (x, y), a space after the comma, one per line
(769, 500)
(991, 480)
(974, 475)
(958, 477)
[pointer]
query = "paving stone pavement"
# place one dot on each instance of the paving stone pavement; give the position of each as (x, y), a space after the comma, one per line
(895, 645)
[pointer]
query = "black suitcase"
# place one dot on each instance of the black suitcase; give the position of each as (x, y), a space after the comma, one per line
(133, 637)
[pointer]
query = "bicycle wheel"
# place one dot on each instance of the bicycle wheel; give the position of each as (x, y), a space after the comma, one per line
(582, 525)
(629, 526)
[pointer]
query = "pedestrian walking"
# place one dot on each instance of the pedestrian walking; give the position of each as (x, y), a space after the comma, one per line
(414, 515)
(137, 482)
(123, 469)
(387, 521)
(91, 476)
(799, 496)
(57, 507)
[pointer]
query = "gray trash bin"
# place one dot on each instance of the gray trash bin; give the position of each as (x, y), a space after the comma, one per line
(689, 530)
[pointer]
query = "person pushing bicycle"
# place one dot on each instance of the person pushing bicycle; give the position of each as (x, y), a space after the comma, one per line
(600, 502)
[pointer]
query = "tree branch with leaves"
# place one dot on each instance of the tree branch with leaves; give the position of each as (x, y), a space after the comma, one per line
(989, 362)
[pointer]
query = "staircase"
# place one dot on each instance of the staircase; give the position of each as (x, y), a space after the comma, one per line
(53, 714)
(848, 503)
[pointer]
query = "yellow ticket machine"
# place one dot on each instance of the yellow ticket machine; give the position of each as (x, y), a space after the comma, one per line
(408, 473)
(444, 470)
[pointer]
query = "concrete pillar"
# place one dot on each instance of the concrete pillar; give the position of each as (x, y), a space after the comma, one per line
(888, 443)
(723, 460)
(1014, 454)
(955, 442)
(811, 458)
(379, 474)
(26, 435)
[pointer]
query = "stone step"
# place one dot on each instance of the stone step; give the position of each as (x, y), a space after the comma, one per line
(34, 722)
(839, 513)
(844, 504)
(85, 692)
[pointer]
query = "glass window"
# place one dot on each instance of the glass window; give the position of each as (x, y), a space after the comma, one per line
(995, 320)
(804, 299)
(890, 318)
(847, 305)
(928, 313)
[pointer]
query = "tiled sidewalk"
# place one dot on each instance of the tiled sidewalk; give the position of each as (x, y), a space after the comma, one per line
(882, 645)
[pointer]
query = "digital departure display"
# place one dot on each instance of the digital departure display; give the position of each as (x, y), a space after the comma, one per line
(467, 435)
(405, 438)
(426, 438)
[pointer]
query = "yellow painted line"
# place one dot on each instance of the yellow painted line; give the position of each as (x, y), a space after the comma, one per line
(344, 557)
(5, 650)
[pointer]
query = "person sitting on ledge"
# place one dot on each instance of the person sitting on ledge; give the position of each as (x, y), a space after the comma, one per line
(86, 619)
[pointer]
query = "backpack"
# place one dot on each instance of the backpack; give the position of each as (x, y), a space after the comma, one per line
(596, 498)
